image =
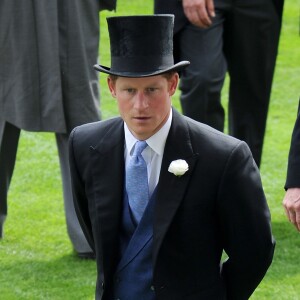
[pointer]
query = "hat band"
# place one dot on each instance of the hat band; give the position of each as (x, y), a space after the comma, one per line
(141, 63)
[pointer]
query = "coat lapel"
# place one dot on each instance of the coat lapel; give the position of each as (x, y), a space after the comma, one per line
(107, 159)
(171, 189)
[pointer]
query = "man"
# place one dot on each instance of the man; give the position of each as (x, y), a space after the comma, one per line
(47, 84)
(216, 36)
(203, 188)
(291, 200)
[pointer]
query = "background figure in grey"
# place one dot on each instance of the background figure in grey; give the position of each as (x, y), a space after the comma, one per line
(47, 83)
(217, 36)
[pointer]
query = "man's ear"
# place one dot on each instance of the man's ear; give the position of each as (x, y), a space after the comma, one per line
(111, 86)
(173, 83)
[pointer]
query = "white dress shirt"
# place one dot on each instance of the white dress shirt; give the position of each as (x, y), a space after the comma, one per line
(153, 154)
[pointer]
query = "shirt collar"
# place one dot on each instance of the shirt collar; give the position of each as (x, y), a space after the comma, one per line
(156, 142)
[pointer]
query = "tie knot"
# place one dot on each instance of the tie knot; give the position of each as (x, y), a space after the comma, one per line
(139, 148)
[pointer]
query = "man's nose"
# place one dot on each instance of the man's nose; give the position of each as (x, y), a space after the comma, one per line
(140, 101)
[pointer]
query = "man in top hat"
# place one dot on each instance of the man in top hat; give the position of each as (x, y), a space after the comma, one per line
(160, 196)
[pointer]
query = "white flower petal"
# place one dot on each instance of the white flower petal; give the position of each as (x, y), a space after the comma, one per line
(178, 167)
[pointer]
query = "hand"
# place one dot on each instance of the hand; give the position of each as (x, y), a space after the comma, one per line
(199, 12)
(291, 203)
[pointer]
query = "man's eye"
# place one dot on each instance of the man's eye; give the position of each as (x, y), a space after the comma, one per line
(151, 90)
(130, 91)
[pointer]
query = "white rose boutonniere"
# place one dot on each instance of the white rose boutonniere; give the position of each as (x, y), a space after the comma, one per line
(178, 167)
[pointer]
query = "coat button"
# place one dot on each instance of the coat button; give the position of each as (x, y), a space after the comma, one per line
(102, 284)
(152, 288)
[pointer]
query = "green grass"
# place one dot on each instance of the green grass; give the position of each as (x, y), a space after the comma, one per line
(36, 258)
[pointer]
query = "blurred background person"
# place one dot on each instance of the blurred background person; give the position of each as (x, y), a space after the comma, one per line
(217, 36)
(48, 84)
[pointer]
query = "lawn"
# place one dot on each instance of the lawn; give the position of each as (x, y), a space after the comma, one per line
(36, 258)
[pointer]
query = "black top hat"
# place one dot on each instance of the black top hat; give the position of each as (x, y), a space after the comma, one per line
(141, 46)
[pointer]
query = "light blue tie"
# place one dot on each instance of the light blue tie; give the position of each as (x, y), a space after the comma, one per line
(137, 181)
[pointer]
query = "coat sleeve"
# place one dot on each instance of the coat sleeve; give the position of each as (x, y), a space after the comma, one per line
(78, 189)
(245, 224)
(293, 171)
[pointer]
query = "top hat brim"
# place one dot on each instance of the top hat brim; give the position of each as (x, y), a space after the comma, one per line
(176, 67)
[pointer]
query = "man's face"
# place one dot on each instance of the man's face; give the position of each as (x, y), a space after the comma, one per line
(144, 103)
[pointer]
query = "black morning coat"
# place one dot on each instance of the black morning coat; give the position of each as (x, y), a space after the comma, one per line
(218, 204)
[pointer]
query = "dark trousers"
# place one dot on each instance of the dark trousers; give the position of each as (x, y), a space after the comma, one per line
(242, 41)
(9, 138)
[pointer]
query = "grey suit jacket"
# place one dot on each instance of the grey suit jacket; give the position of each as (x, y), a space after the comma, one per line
(219, 204)
(47, 53)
